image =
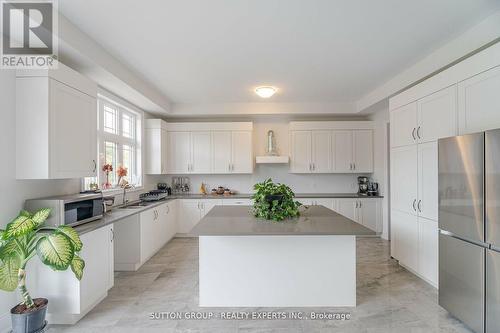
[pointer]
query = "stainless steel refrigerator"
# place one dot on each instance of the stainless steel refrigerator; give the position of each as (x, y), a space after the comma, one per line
(469, 223)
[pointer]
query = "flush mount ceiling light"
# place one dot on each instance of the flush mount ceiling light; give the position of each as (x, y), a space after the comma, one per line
(265, 91)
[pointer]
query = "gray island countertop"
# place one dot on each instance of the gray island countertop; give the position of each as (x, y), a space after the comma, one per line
(239, 221)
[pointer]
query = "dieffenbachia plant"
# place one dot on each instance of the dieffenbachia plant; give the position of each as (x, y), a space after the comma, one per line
(27, 236)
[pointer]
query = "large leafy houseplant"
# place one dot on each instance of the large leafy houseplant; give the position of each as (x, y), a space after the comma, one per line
(26, 237)
(274, 201)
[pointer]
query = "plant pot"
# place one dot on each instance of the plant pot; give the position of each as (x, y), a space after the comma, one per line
(32, 321)
(271, 197)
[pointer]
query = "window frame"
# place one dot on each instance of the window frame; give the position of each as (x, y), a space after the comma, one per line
(135, 141)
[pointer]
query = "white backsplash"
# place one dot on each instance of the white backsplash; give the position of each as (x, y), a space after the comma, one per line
(300, 183)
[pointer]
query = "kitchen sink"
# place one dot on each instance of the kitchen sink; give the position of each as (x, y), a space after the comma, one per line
(134, 205)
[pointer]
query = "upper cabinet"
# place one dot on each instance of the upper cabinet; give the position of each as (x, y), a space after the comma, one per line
(199, 148)
(425, 120)
(331, 147)
(156, 142)
(56, 124)
(479, 102)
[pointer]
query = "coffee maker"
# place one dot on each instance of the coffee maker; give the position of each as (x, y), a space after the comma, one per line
(363, 185)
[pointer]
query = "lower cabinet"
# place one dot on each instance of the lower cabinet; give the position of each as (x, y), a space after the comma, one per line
(414, 242)
(140, 236)
(367, 212)
(237, 202)
(364, 211)
(71, 299)
(191, 211)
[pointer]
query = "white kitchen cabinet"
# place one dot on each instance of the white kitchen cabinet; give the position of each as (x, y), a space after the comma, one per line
(348, 208)
(111, 257)
(369, 214)
(479, 102)
(179, 152)
(241, 152)
(56, 125)
(404, 234)
(326, 202)
(362, 151)
(437, 115)
(301, 152)
(342, 151)
(221, 152)
(201, 152)
(192, 211)
(321, 152)
(148, 234)
(428, 250)
(156, 144)
(189, 215)
(404, 123)
(70, 299)
(427, 204)
(365, 211)
(404, 179)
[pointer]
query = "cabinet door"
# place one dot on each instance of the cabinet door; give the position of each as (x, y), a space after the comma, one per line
(348, 208)
(405, 236)
(73, 132)
(326, 202)
(404, 179)
(189, 215)
(428, 251)
(321, 152)
(363, 151)
(301, 152)
(306, 201)
(111, 256)
(241, 152)
(148, 234)
(404, 125)
(342, 151)
(179, 152)
(95, 281)
(437, 115)
(207, 205)
(369, 213)
(171, 220)
(479, 102)
(161, 226)
(201, 149)
(221, 152)
(428, 180)
(164, 152)
(237, 202)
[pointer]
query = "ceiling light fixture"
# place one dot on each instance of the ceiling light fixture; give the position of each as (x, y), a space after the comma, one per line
(265, 91)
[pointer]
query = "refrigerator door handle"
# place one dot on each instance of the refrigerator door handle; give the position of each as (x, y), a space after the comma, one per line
(470, 241)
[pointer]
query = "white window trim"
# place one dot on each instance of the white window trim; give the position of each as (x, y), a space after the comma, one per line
(103, 97)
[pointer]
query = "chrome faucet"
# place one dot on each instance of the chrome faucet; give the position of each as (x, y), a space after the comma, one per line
(125, 188)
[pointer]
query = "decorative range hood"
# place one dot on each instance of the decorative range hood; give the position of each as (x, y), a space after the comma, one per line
(271, 151)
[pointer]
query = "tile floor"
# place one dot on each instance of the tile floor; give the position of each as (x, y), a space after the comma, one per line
(389, 300)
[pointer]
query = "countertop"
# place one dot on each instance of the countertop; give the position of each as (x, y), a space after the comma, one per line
(118, 214)
(239, 221)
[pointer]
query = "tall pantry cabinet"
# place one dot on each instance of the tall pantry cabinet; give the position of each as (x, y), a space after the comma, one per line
(415, 129)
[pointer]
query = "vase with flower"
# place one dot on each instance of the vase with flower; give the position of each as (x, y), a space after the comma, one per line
(107, 168)
(122, 172)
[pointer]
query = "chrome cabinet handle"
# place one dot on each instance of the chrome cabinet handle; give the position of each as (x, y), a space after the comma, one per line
(414, 202)
(314, 166)
(356, 204)
(413, 133)
(350, 166)
(354, 166)
(111, 235)
(95, 166)
(360, 204)
(419, 205)
(418, 132)
(168, 209)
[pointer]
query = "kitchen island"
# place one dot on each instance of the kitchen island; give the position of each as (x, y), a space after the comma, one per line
(248, 262)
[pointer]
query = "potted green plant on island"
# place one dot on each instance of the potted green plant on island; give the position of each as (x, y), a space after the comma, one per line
(23, 239)
(274, 201)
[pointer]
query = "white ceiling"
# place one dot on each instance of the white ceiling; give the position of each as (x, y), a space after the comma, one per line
(217, 51)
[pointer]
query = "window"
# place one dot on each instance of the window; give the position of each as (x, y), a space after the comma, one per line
(119, 134)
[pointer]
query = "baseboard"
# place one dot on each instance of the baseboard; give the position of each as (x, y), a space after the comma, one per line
(121, 267)
(5, 322)
(70, 318)
(418, 275)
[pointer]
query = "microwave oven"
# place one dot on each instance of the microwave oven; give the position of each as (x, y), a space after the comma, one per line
(71, 210)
